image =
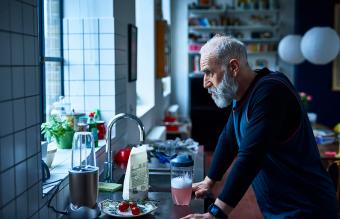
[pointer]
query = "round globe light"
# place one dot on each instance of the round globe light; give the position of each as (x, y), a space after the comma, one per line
(320, 45)
(289, 49)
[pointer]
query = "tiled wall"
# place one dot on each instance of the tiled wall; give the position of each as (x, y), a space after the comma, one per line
(19, 108)
(89, 69)
(20, 95)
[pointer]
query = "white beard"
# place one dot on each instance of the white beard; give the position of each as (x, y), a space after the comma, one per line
(225, 91)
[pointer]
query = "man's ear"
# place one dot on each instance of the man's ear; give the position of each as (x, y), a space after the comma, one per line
(234, 66)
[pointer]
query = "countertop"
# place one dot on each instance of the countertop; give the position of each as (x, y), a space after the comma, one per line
(166, 208)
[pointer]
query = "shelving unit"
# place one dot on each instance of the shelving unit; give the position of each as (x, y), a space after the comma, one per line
(257, 28)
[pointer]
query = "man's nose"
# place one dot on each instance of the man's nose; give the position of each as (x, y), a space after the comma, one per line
(206, 82)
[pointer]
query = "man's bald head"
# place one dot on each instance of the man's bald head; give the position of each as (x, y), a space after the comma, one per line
(225, 48)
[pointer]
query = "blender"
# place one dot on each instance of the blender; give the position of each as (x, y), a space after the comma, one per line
(83, 177)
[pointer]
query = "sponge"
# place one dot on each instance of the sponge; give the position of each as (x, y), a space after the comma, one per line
(109, 187)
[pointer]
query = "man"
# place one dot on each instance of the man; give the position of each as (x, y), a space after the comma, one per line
(269, 138)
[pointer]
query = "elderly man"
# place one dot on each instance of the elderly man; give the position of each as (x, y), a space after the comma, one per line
(269, 138)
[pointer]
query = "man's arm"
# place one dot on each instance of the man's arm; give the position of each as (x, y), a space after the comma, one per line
(225, 152)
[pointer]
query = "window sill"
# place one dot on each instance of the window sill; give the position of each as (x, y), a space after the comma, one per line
(61, 165)
(143, 109)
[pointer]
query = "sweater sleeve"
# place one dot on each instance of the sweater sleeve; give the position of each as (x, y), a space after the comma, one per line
(225, 151)
(268, 112)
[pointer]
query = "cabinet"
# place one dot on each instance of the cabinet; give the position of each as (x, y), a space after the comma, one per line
(257, 26)
(162, 49)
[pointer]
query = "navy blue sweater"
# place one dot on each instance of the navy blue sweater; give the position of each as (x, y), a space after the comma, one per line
(269, 136)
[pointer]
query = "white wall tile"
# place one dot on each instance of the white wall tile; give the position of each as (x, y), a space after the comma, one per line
(66, 88)
(77, 103)
(20, 178)
(32, 171)
(18, 82)
(107, 41)
(22, 204)
(31, 108)
(33, 202)
(6, 109)
(91, 41)
(107, 72)
(106, 25)
(90, 25)
(65, 42)
(75, 25)
(76, 72)
(27, 13)
(8, 191)
(31, 141)
(107, 88)
(30, 81)
(16, 16)
(107, 57)
(5, 83)
(19, 116)
(77, 88)
(20, 146)
(91, 72)
(5, 48)
(75, 41)
(9, 210)
(29, 51)
(4, 15)
(65, 26)
(66, 72)
(75, 57)
(107, 115)
(91, 103)
(107, 103)
(91, 57)
(17, 49)
(7, 152)
(92, 88)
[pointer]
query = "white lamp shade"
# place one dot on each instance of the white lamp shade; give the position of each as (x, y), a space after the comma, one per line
(289, 49)
(320, 45)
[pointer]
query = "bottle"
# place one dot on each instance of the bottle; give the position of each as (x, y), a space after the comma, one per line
(93, 128)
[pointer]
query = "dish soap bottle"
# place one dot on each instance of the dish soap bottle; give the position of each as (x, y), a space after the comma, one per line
(93, 128)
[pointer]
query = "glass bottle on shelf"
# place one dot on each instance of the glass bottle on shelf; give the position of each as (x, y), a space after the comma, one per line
(93, 128)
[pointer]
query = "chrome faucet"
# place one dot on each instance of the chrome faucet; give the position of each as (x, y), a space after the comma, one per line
(109, 164)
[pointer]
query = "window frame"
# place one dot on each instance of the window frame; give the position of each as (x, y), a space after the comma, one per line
(43, 59)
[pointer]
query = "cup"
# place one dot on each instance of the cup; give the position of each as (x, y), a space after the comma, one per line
(181, 179)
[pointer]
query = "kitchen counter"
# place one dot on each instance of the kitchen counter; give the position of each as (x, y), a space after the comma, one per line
(166, 208)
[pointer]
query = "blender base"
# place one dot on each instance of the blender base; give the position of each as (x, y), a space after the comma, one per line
(84, 212)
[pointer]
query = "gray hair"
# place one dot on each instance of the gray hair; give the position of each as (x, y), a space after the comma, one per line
(225, 48)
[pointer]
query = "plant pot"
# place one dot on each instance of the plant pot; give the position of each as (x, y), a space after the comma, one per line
(65, 141)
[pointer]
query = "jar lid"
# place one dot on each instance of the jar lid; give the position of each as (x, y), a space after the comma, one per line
(183, 160)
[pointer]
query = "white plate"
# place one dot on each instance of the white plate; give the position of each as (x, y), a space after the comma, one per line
(110, 207)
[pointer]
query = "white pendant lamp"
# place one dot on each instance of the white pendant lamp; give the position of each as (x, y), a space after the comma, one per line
(320, 45)
(289, 49)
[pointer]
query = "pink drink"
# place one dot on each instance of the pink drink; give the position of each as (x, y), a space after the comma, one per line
(181, 188)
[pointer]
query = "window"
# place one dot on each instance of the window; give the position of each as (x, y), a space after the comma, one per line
(51, 52)
(145, 19)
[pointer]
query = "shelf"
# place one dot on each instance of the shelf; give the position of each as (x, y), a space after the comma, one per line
(259, 40)
(271, 53)
(239, 27)
(258, 11)
(207, 11)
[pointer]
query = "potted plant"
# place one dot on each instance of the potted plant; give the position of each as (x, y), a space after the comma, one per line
(61, 131)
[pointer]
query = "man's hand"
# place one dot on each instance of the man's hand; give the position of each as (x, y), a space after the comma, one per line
(199, 216)
(201, 189)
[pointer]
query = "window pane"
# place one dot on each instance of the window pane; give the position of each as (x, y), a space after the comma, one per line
(52, 83)
(52, 28)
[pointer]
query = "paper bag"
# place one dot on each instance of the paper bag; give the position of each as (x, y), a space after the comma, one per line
(136, 181)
